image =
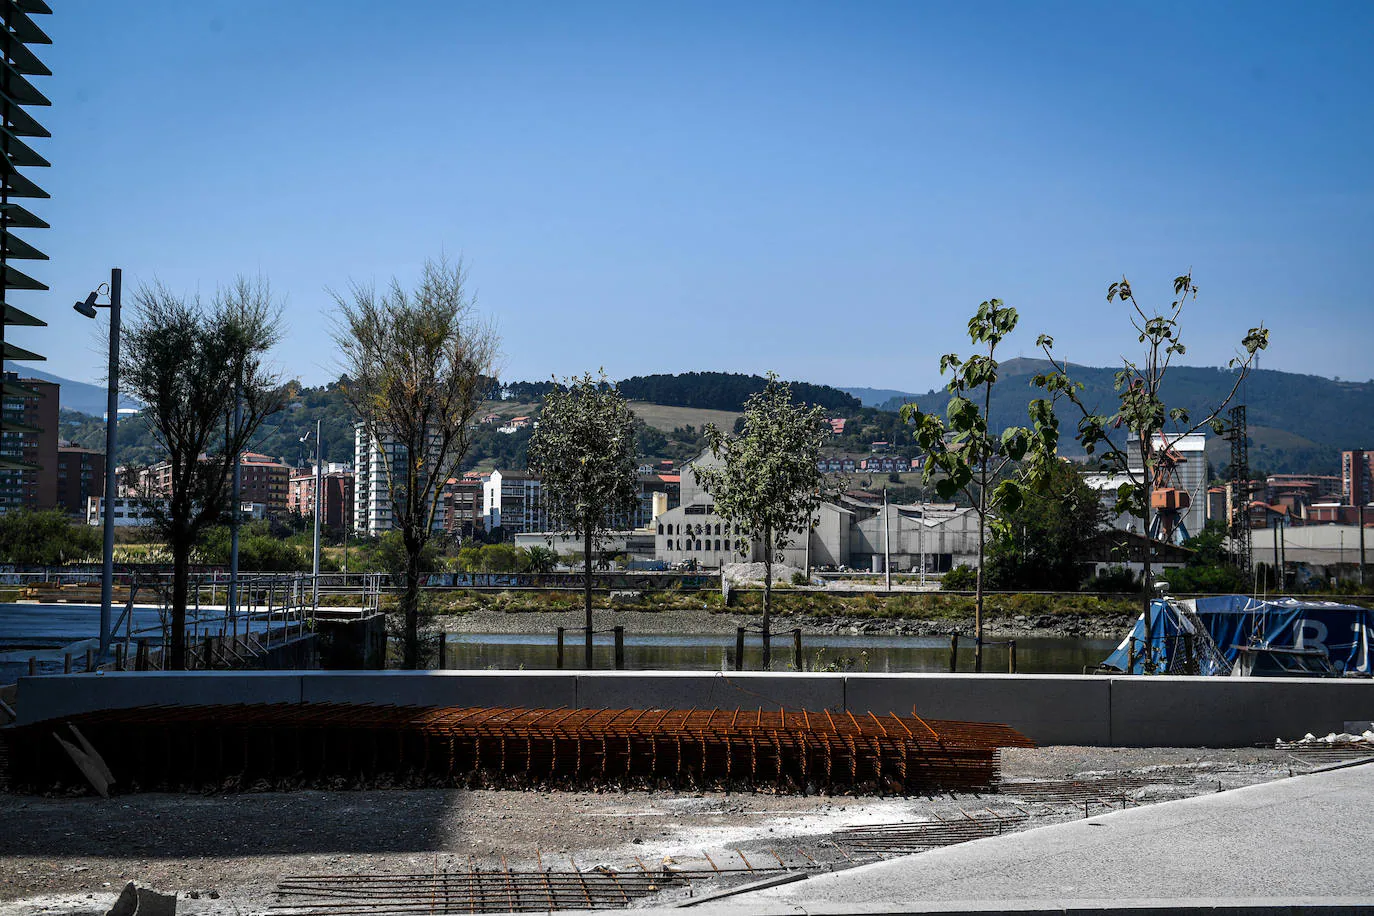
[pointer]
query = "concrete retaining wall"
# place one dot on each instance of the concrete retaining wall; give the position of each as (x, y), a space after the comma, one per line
(1052, 709)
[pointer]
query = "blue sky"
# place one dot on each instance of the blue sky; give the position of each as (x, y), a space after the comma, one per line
(826, 190)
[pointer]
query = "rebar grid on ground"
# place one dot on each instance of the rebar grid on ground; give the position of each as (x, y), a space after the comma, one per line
(474, 889)
(942, 831)
(339, 745)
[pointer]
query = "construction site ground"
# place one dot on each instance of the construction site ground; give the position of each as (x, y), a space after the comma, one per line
(224, 854)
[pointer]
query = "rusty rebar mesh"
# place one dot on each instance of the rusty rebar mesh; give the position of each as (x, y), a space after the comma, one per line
(220, 748)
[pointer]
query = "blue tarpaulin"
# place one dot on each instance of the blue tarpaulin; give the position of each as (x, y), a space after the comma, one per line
(1231, 622)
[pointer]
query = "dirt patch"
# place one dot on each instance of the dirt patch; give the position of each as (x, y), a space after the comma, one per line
(72, 855)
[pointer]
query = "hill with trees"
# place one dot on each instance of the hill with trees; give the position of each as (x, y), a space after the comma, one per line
(1298, 423)
(725, 391)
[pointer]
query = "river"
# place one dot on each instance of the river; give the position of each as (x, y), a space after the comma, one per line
(715, 652)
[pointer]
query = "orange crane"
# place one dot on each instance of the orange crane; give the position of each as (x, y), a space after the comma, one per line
(1169, 501)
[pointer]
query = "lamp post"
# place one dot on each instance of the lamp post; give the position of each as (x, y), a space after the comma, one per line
(88, 308)
(319, 502)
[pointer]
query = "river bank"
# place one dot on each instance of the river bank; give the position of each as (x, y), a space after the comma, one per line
(717, 620)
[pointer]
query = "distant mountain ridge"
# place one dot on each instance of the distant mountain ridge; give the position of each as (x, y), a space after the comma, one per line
(1298, 423)
(877, 397)
(724, 391)
(82, 397)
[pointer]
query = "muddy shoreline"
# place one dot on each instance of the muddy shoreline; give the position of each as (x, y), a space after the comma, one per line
(712, 620)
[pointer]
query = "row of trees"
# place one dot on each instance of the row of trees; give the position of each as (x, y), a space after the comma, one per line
(417, 364)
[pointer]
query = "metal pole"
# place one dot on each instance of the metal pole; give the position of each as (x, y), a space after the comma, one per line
(921, 543)
(1284, 555)
(232, 597)
(1278, 577)
(1362, 505)
(887, 551)
(319, 502)
(111, 436)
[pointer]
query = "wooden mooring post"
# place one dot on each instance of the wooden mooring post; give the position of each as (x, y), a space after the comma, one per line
(739, 648)
(798, 662)
(441, 662)
(559, 653)
(1011, 656)
(953, 651)
(619, 648)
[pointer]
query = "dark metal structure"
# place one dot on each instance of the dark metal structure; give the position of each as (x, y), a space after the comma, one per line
(1242, 543)
(17, 64)
(334, 745)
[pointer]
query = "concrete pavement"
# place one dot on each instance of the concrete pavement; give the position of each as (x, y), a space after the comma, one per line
(1295, 845)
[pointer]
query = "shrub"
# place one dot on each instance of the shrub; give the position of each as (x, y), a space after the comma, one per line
(961, 578)
(1113, 579)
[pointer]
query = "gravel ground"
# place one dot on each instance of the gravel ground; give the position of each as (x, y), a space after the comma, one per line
(226, 854)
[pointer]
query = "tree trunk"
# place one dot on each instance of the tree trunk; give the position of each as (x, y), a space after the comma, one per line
(978, 590)
(1147, 666)
(181, 581)
(587, 589)
(410, 606)
(767, 599)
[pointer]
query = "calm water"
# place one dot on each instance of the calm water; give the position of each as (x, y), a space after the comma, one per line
(715, 652)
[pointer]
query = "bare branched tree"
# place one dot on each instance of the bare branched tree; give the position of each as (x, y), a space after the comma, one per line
(1154, 428)
(191, 363)
(417, 365)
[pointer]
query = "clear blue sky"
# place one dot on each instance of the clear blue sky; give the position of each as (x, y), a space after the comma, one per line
(826, 190)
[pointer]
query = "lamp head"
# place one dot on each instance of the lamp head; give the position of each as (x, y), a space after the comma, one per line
(87, 307)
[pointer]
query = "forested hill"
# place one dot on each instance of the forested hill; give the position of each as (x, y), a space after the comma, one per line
(724, 391)
(1298, 423)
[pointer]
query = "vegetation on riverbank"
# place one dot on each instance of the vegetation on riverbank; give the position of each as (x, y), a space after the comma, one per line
(905, 606)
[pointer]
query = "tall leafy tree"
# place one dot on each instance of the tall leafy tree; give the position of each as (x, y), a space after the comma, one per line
(417, 364)
(767, 484)
(584, 451)
(970, 458)
(1152, 427)
(190, 363)
(1044, 544)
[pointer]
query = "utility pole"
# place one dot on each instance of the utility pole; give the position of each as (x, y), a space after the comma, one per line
(1362, 505)
(231, 606)
(88, 308)
(319, 503)
(887, 546)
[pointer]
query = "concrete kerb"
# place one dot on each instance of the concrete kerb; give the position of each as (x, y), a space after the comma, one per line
(56, 695)
(710, 690)
(1232, 712)
(530, 689)
(1050, 709)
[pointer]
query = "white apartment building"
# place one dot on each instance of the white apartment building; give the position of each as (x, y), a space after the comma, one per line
(513, 502)
(128, 512)
(373, 512)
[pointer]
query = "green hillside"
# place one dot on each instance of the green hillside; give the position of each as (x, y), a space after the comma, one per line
(1298, 423)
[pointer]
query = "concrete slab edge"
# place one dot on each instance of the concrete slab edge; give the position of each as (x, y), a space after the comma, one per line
(1204, 906)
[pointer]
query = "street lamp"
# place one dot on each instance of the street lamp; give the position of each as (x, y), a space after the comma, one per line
(87, 307)
(319, 493)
